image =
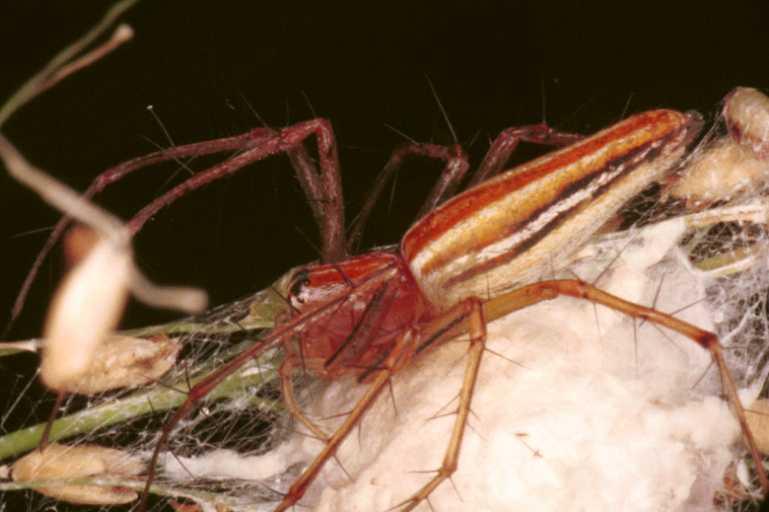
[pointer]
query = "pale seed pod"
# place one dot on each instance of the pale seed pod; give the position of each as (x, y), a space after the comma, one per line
(725, 171)
(125, 362)
(746, 111)
(59, 461)
(84, 311)
(731, 167)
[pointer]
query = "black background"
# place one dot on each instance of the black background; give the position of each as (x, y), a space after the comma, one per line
(204, 66)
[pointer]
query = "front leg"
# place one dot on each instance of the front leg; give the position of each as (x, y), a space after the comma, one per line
(410, 344)
(322, 186)
(469, 311)
(285, 140)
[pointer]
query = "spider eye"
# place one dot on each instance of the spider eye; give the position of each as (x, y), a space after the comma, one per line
(298, 283)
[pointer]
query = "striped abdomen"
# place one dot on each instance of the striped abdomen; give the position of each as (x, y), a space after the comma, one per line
(514, 227)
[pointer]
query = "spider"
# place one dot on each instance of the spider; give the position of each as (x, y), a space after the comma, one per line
(464, 263)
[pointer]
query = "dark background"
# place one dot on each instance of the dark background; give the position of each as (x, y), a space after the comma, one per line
(205, 66)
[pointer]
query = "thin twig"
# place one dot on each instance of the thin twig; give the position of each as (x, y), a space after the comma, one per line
(57, 66)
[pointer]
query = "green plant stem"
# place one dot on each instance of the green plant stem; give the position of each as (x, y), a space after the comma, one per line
(254, 312)
(244, 383)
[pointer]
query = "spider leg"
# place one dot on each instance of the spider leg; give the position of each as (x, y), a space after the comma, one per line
(546, 290)
(323, 188)
(289, 397)
(455, 167)
(507, 141)
(471, 311)
(277, 336)
(300, 485)
(405, 348)
(282, 141)
(117, 173)
(473, 321)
